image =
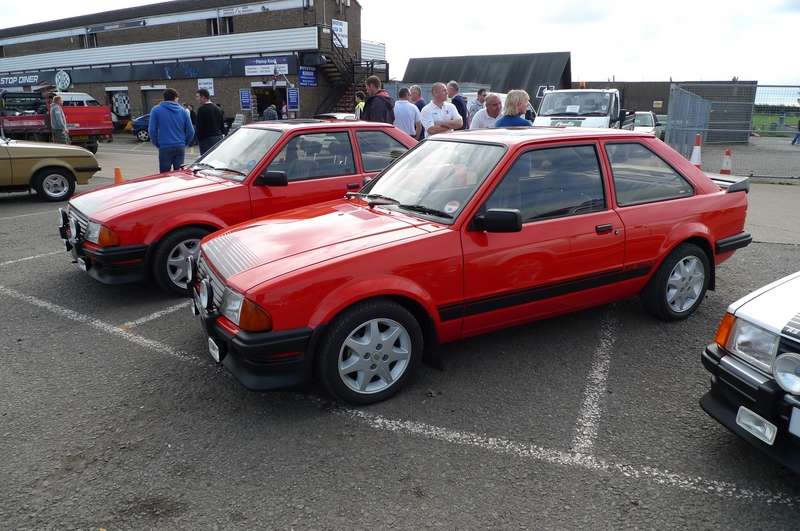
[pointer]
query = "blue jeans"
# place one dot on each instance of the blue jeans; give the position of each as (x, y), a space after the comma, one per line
(170, 158)
(796, 139)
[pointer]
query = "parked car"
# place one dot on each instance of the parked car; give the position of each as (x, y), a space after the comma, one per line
(148, 226)
(140, 126)
(661, 128)
(52, 170)
(335, 116)
(755, 371)
(467, 233)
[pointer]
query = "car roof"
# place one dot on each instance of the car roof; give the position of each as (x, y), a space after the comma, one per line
(518, 135)
(289, 125)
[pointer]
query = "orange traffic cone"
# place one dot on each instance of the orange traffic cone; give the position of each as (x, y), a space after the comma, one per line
(696, 159)
(727, 165)
(118, 179)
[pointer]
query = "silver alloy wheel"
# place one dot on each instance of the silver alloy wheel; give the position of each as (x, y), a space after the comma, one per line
(685, 283)
(55, 185)
(374, 356)
(177, 266)
(143, 135)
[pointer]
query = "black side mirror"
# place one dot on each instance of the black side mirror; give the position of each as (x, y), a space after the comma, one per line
(272, 178)
(499, 220)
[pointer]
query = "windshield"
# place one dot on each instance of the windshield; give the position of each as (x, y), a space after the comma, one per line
(437, 178)
(237, 155)
(575, 104)
(644, 120)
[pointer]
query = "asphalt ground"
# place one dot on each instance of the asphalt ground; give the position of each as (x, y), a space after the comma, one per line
(112, 414)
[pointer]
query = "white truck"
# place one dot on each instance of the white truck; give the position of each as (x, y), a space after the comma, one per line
(581, 108)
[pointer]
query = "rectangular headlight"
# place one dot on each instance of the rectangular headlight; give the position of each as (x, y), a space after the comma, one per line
(753, 344)
(231, 306)
(92, 232)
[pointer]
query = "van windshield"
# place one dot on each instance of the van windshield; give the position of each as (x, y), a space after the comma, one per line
(575, 104)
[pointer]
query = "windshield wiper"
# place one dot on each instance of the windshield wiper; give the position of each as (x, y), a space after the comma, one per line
(422, 209)
(200, 165)
(557, 114)
(378, 199)
(594, 113)
(229, 170)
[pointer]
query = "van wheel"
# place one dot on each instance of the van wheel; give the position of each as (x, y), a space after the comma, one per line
(169, 261)
(679, 285)
(54, 184)
(370, 352)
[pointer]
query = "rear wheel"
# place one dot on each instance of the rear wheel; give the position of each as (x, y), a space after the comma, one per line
(54, 184)
(169, 261)
(142, 135)
(679, 285)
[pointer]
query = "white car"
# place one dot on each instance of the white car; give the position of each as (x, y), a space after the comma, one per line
(755, 368)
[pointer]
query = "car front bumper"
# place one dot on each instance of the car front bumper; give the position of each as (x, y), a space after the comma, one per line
(733, 385)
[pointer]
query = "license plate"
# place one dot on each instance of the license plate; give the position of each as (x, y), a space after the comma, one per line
(213, 349)
(794, 423)
(82, 264)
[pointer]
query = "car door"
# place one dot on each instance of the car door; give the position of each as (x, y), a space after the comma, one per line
(6, 173)
(319, 167)
(569, 253)
(377, 150)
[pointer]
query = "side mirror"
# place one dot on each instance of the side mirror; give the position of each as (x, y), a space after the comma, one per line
(272, 178)
(499, 220)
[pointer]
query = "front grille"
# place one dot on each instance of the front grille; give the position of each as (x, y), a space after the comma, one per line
(81, 219)
(788, 345)
(217, 286)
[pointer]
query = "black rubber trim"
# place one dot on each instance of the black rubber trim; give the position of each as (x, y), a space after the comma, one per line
(109, 255)
(743, 239)
(87, 168)
(516, 298)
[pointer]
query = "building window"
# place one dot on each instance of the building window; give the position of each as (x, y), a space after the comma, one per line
(2, 52)
(82, 41)
(213, 26)
(225, 23)
(92, 40)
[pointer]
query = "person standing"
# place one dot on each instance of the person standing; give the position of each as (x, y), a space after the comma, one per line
(210, 122)
(170, 131)
(796, 139)
(440, 116)
(516, 105)
(460, 103)
(415, 96)
(359, 110)
(270, 113)
(379, 106)
(407, 117)
(58, 121)
(477, 105)
(486, 117)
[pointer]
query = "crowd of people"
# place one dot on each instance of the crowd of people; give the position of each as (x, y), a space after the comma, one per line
(447, 110)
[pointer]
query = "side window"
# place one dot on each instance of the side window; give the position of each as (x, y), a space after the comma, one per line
(552, 182)
(92, 103)
(378, 149)
(315, 156)
(640, 176)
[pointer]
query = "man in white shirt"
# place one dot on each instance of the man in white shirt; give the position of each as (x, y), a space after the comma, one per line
(407, 117)
(486, 117)
(440, 116)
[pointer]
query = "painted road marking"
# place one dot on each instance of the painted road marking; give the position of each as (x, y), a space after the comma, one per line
(47, 212)
(34, 257)
(155, 315)
(589, 419)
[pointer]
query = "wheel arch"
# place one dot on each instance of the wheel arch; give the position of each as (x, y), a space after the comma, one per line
(696, 234)
(153, 247)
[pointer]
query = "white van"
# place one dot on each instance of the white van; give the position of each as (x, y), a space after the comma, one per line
(77, 99)
(580, 108)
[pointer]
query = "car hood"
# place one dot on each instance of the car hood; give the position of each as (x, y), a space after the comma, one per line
(22, 148)
(775, 307)
(153, 189)
(268, 247)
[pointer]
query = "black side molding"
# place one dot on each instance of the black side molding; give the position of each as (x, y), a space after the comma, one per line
(731, 243)
(87, 168)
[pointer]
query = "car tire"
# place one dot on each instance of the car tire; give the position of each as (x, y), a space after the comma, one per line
(169, 267)
(377, 370)
(679, 286)
(142, 135)
(54, 184)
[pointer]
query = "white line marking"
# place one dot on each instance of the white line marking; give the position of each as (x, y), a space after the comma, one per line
(34, 257)
(155, 315)
(48, 212)
(589, 419)
(499, 445)
(103, 326)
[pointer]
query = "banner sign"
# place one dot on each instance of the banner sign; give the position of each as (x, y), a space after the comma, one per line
(266, 66)
(206, 83)
(308, 76)
(340, 30)
(245, 99)
(292, 99)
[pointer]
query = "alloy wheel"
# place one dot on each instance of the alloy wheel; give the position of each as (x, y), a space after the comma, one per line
(374, 356)
(685, 284)
(177, 267)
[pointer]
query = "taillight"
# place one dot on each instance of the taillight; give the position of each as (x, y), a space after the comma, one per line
(724, 330)
(253, 318)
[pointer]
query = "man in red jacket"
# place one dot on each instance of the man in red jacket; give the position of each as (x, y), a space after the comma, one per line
(379, 106)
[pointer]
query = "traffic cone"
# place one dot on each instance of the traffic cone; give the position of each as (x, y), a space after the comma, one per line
(696, 159)
(118, 179)
(727, 166)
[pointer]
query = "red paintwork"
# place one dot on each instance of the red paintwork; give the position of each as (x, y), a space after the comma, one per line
(144, 210)
(317, 261)
(86, 124)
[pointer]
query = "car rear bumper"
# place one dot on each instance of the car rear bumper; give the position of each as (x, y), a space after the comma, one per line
(738, 241)
(735, 385)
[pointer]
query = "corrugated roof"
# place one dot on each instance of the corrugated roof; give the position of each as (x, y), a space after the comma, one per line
(502, 72)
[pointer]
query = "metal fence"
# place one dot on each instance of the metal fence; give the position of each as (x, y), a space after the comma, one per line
(757, 122)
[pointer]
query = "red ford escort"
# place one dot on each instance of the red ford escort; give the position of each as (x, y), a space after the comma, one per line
(467, 233)
(148, 226)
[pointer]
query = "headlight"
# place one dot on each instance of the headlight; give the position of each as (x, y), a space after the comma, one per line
(231, 306)
(93, 232)
(753, 344)
(244, 313)
(101, 235)
(787, 372)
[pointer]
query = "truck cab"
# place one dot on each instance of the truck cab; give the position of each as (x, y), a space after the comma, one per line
(598, 108)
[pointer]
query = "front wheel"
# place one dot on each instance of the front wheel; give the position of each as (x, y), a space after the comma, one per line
(679, 285)
(142, 135)
(54, 184)
(370, 352)
(169, 262)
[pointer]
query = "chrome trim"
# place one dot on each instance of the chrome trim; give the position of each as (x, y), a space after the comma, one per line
(751, 376)
(217, 286)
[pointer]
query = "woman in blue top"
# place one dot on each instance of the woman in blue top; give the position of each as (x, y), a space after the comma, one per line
(515, 106)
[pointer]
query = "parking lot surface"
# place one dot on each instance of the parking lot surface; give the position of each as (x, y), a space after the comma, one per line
(114, 416)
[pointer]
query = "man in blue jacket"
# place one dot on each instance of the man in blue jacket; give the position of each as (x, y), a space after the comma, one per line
(170, 131)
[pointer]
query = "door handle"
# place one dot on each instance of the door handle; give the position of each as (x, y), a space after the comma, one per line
(604, 229)
(354, 186)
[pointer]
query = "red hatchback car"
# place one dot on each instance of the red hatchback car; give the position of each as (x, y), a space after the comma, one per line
(469, 232)
(148, 226)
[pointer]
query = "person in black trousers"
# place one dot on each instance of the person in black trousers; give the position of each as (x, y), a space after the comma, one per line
(210, 122)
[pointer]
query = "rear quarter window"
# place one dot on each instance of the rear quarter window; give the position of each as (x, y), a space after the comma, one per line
(641, 176)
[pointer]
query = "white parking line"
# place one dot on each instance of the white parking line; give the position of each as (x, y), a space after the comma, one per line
(499, 445)
(155, 315)
(47, 212)
(103, 326)
(27, 258)
(589, 419)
